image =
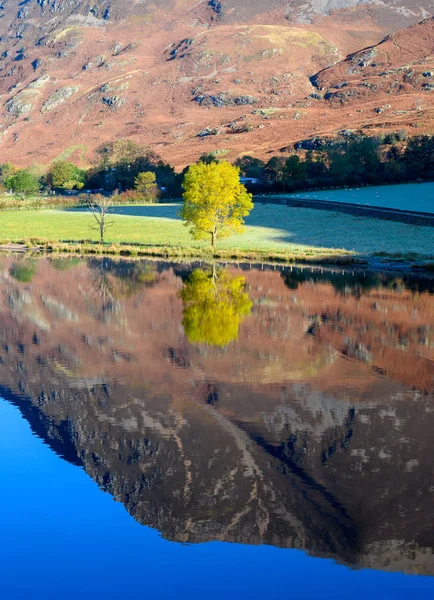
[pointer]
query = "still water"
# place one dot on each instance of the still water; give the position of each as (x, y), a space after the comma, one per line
(172, 430)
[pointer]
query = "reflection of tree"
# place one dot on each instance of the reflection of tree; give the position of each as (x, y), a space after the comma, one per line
(102, 288)
(122, 279)
(129, 278)
(23, 271)
(346, 283)
(215, 304)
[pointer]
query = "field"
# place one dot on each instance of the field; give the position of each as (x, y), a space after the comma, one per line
(270, 228)
(410, 196)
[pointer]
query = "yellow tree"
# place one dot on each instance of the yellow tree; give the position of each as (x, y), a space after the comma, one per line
(215, 304)
(146, 184)
(215, 202)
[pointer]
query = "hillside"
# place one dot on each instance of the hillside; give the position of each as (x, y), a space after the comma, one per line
(186, 77)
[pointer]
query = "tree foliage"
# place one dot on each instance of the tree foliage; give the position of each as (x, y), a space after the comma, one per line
(23, 182)
(7, 170)
(214, 305)
(120, 151)
(208, 158)
(215, 202)
(351, 160)
(122, 161)
(60, 173)
(250, 166)
(146, 184)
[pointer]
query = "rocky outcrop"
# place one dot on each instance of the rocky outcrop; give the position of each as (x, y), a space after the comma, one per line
(224, 99)
(58, 98)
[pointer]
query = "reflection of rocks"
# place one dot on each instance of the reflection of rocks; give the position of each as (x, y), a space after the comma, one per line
(207, 443)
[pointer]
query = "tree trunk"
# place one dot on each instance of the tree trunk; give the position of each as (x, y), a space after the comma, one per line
(213, 240)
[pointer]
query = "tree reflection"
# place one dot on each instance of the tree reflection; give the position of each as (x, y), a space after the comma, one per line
(103, 289)
(23, 271)
(121, 279)
(215, 303)
(357, 283)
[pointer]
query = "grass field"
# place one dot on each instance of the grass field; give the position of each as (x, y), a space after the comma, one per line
(408, 196)
(270, 228)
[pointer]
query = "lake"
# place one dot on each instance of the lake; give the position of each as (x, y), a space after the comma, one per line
(236, 431)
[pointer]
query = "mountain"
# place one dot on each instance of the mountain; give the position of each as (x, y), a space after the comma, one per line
(187, 77)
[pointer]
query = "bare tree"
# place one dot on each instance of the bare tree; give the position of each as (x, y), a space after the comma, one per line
(99, 205)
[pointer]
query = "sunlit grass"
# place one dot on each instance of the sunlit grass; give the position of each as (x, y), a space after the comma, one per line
(270, 228)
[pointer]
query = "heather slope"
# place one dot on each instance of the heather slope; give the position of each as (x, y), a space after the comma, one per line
(73, 75)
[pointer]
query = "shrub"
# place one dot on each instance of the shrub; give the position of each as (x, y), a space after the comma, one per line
(129, 197)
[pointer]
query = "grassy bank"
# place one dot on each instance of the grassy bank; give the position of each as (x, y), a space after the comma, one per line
(41, 202)
(272, 231)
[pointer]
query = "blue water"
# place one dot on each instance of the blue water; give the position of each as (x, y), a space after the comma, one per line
(64, 538)
(410, 196)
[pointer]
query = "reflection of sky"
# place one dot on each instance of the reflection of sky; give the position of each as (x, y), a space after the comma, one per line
(63, 538)
(411, 196)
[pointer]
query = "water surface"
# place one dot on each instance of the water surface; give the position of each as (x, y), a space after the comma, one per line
(264, 432)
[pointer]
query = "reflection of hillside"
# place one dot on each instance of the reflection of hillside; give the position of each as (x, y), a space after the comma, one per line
(341, 340)
(293, 435)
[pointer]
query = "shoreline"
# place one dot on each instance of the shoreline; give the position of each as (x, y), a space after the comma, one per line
(405, 263)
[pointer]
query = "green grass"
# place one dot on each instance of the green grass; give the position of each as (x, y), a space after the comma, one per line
(270, 229)
(66, 154)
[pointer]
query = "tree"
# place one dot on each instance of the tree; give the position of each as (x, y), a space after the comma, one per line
(315, 164)
(121, 162)
(60, 173)
(99, 205)
(7, 170)
(250, 166)
(208, 158)
(146, 184)
(295, 168)
(275, 170)
(214, 305)
(23, 182)
(363, 156)
(419, 157)
(215, 202)
(120, 151)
